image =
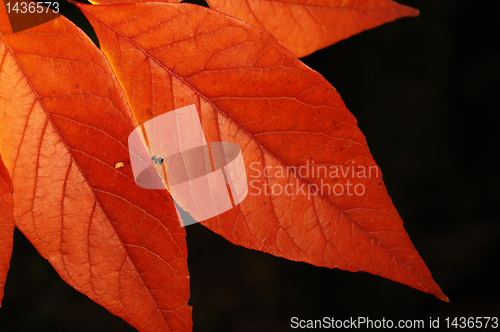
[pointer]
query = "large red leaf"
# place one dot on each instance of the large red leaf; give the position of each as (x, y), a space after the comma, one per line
(251, 91)
(305, 26)
(64, 125)
(6, 225)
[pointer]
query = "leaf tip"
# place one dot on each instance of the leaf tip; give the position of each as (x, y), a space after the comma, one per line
(407, 11)
(441, 296)
(411, 12)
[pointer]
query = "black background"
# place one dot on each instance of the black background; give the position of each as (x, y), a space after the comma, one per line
(425, 93)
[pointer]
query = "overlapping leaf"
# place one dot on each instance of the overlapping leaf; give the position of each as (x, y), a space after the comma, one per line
(251, 91)
(63, 137)
(64, 125)
(305, 26)
(6, 225)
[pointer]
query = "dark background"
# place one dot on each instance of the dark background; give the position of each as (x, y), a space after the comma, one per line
(425, 92)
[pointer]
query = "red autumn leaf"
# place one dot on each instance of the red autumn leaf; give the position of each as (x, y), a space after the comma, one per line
(251, 91)
(304, 26)
(6, 225)
(63, 128)
(64, 138)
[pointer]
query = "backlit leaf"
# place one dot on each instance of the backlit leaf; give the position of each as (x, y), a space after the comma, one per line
(64, 125)
(6, 225)
(251, 91)
(305, 26)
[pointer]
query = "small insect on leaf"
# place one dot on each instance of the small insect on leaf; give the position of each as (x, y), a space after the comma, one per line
(119, 165)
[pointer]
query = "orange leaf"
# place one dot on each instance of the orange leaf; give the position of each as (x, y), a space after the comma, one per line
(6, 225)
(304, 26)
(4, 19)
(64, 126)
(111, 2)
(251, 91)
